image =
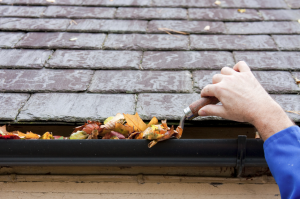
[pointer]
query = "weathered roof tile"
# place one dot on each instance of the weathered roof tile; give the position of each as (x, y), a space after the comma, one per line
(223, 14)
(280, 14)
(21, 11)
(10, 104)
(253, 4)
(23, 58)
(287, 27)
(79, 12)
(102, 25)
(127, 81)
(293, 3)
(269, 60)
(146, 42)
(44, 2)
(62, 40)
(289, 103)
(95, 59)
(186, 26)
(9, 39)
(74, 107)
(45, 80)
(117, 3)
(287, 42)
(176, 60)
(26, 24)
(183, 3)
(232, 42)
(151, 13)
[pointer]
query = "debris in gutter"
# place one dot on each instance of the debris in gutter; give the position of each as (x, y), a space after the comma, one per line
(241, 10)
(121, 126)
(207, 28)
(73, 39)
(217, 2)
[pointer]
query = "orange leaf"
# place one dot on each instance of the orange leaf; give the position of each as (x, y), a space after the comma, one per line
(153, 121)
(124, 130)
(136, 122)
(47, 136)
(164, 123)
(29, 135)
(179, 132)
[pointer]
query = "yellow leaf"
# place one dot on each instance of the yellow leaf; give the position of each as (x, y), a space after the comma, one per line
(124, 130)
(241, 10)
(47, 136)
(153, 121)
(135, 121)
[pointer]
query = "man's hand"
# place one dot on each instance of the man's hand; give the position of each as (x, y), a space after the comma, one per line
(244, 100)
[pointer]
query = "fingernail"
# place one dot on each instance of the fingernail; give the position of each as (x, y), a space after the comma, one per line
(201, 113)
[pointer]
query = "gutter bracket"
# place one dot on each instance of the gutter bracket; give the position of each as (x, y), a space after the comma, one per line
(241, 155)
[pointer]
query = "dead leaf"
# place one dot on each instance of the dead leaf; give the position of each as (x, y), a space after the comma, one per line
(153, 121)
(241, 10)
(123, 129)
(113, 134)
(133, 135)
(295, 112)
(3, 130)
(164, 123)
(47, 136)
(136, 122)
(29, 135)
(73, 39)
(179, 131)
(89, 127)
(207, 28)
(168, 30)
(119, 118)
(217, 2)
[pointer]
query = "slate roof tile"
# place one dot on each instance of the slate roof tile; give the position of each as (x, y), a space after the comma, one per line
(186, 26)
(232, 42)
(95, 59)
(102, 25)
(269, 60)
(75, 107)
(79, 12)
(10, 104)
(128, 81)
(9, 39)
(59, 56)
(146, 42)
(21, 11)
(62, 40)
(45, 80)
(216, 14)
(178, 60)
(23, 58)
(151, 13)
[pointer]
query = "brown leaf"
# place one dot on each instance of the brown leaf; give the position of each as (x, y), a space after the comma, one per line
(136, 122)
(133, 135)
(89, 127)
(179, 131)
(123, 129)
(112, 134)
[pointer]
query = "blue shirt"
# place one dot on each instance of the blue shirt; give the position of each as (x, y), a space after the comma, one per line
(282, 152)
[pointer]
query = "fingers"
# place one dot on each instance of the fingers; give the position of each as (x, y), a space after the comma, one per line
(227, 71)
(213, 110)
(217, 78)
(241, 66)
(208, 91)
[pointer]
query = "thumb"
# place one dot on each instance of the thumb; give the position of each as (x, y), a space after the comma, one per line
(212, 110)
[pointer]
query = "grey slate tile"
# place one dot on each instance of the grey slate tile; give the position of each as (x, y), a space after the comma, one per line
(286, 27)
(280, 14)
(117, 3)
(23, 58)
(287, 42)
(151, 13)
(269, 60)
(102, 25)
(21, 11)
(146, 42)
(293, 3)
(184, 3)
(44, 2)
(10, 103)
(223, 14)
(253, 4)
(9, 39)
(79, 12)
(95, 59)
(232, 42)
(62, 40)
(75, 107)
(272, 81)
(45, 80)
(186, 26)
(178, 60)
(289, 103)
(127, 81)
(26, 24)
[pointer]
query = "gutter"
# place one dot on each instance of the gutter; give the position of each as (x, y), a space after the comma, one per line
(238, 153)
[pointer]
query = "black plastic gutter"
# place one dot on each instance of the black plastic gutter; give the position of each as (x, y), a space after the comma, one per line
(183, 152)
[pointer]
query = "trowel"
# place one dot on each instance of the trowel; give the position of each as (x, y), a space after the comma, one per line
(191, 111)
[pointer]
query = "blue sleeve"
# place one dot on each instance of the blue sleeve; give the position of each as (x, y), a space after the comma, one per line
(282, 152)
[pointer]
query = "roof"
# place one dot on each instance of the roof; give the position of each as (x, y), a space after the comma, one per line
(73, 60)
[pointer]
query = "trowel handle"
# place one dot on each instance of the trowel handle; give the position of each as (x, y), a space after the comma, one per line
(192, 110)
